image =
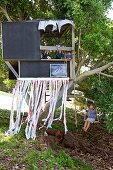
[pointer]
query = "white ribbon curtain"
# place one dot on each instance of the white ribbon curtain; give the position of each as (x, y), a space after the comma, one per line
(36, 89)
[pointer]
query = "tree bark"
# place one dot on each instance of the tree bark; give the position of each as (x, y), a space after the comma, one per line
(106, 75)
(4, 11)
(86, 74)
(70, 141)
(59, 135)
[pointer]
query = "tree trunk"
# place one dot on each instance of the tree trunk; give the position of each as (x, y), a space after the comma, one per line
(70, 141)
(59, 135)
(59, 101)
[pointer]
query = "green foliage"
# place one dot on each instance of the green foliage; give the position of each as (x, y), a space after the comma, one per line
(110, 118)
(101, 91)
(65, 160)
(31, 159)
(70, 114)
(89, 16)
(5, 83)
(49, 160)
(24, 9)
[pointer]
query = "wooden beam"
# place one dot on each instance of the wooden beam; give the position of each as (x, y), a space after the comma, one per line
(54, 48)
(44, 78)
(65, 60)
(19, 68)
(12, 69)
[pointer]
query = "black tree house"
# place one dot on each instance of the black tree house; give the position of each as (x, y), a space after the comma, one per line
(40, 54)
(25, 42)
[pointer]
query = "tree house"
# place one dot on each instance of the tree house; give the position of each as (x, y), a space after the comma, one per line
(24, 42)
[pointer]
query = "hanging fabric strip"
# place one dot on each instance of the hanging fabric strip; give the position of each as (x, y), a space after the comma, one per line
(33, 91)
(65, 98)
(54, 101)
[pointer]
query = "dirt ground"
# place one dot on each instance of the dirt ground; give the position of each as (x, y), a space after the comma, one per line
(97, 147)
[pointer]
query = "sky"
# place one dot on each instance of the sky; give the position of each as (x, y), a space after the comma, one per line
(110, 13)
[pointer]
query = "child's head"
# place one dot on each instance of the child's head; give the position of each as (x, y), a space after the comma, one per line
(91, 106)
(46, 51)
(58, 48)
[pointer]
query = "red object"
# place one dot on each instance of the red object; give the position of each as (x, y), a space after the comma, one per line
(30, 112)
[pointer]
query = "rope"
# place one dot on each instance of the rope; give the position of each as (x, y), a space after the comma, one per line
(76, 122)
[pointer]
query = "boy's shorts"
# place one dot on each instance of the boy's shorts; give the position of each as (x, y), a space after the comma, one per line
(91, 120)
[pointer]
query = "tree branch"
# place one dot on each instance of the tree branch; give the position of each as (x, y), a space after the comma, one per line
(107, 75)
(4, 11)
(84, 75)
(79, 38)
(81, 63)
(98, 64)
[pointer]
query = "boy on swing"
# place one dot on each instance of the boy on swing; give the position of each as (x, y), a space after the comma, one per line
(91, 113)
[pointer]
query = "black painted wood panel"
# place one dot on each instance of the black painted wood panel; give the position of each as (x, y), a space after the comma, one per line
(21, 40)
(39, 68)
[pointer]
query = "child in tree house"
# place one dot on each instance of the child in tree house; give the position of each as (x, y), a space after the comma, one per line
(91, 113)
(46, 55)
(59, 53)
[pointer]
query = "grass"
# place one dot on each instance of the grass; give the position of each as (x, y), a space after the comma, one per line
(18, 153)
(50, 160)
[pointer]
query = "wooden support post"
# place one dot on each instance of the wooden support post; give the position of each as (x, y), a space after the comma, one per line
(73, 70)
(73, 53)
(19, 68)
(12, 69)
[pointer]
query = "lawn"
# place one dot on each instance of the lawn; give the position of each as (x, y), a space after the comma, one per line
(18, 153)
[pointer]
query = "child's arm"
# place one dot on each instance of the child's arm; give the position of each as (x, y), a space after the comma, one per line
(84, 112)
(97, 111)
